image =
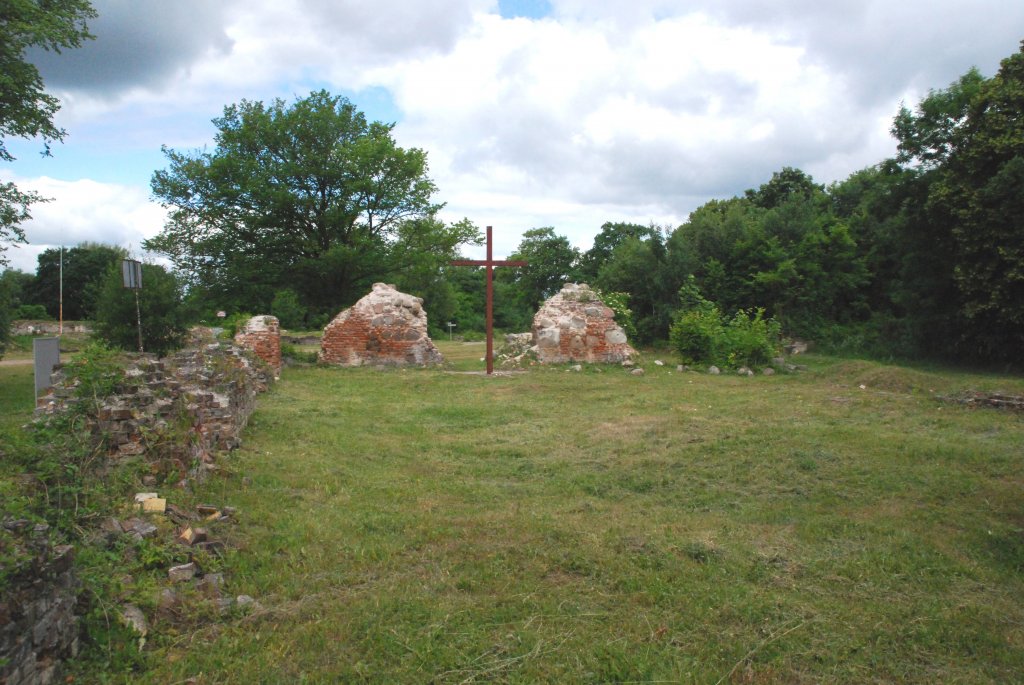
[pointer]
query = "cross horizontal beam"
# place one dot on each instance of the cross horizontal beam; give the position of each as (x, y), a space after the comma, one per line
(489, 264)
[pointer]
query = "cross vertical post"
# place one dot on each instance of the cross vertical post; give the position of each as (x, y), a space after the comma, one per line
(489, 263)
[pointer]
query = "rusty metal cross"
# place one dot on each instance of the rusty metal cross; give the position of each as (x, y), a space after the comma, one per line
(490, 263)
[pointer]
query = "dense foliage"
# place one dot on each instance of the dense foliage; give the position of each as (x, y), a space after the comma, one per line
(159, 308)
(309, 197)
(921, 255)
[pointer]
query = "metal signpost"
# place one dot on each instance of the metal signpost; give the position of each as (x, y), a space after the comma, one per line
(46, 356)
(131, 273)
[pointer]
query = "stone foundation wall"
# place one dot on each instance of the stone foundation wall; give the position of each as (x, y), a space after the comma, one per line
(38, 629)
(386, 327)
(262, 335)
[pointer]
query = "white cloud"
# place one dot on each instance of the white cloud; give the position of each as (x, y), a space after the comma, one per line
(82, 211)
(603, 111)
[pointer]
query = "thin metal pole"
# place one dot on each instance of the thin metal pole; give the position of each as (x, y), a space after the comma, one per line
(60, 328)
(138, 318)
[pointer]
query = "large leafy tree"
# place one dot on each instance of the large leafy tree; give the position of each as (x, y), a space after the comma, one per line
(84, 267)
(308, 195)
(967, 143)
(551, 262)
(26, 109)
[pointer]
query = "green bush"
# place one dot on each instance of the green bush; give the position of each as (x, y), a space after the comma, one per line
(700, 334)
(697, 335)
(287, 308)
(160, 307)
(32, 312)
(750, 339)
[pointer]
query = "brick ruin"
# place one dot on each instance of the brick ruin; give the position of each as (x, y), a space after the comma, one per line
(38, 629)
(385, 328)
(262, 335)
(177, 414)
(575, 326)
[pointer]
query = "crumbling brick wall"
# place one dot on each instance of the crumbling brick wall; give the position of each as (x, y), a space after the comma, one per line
(387, 327)
(575, 325)
(38, 629)
(262, 335)
(177, 412)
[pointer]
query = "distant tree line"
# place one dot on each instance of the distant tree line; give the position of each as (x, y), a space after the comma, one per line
(301, 207)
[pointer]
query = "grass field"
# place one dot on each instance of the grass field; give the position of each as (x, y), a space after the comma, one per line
(552, 526)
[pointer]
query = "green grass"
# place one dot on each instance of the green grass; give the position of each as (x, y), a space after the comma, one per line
(16, 405)
(559, 526)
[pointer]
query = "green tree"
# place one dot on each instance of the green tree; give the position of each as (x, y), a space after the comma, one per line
(552, 262)
(160, 308)
(84, 268)
(308, 195)
(26, 109)
(968, 143)
(611, 235)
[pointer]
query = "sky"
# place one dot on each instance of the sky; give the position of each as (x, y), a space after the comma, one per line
(561, 113)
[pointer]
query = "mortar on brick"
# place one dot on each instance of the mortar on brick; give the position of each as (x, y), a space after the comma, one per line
(575, 326)
(387, 328)
(262, 335)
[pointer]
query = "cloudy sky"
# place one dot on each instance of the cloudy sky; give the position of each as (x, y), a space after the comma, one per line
(563, 113)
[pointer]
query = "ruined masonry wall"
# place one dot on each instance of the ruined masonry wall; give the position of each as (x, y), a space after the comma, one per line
(262, 335)
(37, 623)
(210, 390)
(387, 327)
(575, 326)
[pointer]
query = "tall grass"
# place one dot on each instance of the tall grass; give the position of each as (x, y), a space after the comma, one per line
(559, 526)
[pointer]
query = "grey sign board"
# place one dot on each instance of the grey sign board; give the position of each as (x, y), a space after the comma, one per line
(46, 352)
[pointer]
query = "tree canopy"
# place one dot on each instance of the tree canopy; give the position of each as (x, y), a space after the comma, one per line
(26, 109)
(309, 196)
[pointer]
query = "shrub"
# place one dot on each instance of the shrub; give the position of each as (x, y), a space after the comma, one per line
(163, 318)
(287, 308)
(750, 339)
(700, 334)
(32, 312)
(697, 335)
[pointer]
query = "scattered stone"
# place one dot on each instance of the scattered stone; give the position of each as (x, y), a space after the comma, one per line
(714, 370)
(138, 528)
(658, 362)
(133, 617)
(575, 326)
(178, 514)
(182, 573)
(207, 509)
(768, 371)
(744, 371)
(141, 497)
(215, 516)
(247, 603)
(387, 328)
(628, 363)
(210, 585)
(795, 347)
(154, 505)
(637, 372)
(576, 367)
(168, 600)
(187, 536)
(149, 479)
(212, 547)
